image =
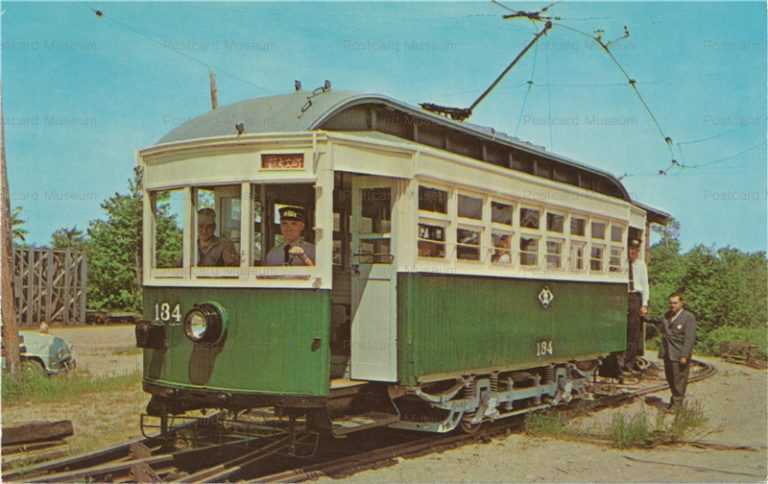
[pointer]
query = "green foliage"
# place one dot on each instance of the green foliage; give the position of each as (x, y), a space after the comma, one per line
(68, 238)
(633, 431)
(545, 424)
(17, 226)
(114, 252)
(723, 287)
(36, 387)
(711, 342)
(170, 239)
(115, 248)
(637, 430)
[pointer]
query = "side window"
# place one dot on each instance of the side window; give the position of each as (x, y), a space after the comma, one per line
(169, 211)
(431, 241)
(555, 222)
(529, 251)
(502, 248)
(433, 200)
(596, 258)
(554, 254)
(501, 213)
(614, 262)
(529, 218)
(470, 207)
(578, 226)
(598, 230)
(468, 243)
(577, 256)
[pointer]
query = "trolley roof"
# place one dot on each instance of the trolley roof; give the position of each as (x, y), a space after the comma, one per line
(306, 111)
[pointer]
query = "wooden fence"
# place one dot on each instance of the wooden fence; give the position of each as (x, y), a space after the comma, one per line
(49, 285)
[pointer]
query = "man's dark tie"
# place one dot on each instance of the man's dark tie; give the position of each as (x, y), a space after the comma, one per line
(631, 278)
(287, 249)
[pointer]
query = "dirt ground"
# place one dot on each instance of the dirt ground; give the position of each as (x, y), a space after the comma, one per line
(735, 401)
(99, 420)
(103, 350)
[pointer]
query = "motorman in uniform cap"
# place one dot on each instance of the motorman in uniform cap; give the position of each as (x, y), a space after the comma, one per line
(211, 250)
(294, 251)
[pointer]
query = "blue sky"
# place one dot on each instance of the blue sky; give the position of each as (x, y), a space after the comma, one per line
(83, 93)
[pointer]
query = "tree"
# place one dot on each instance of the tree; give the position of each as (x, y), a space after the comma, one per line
(114, 251)
(68, 238)
(114, 247)
(666, 267)
(17, 226)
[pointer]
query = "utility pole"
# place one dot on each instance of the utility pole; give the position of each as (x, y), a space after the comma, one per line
(10, 332)
(214, 91)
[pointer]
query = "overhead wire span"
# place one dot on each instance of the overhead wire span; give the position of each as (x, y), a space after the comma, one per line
(631, 81)
(724, 159)
(686, 169)
(527, 91)
(100, 13)
(549, 94)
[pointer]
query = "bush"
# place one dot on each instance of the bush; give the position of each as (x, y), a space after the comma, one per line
(711, 342)
(634, 431)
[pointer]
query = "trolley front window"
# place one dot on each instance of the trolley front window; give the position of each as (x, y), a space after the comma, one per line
(217, 226)
(169, 211)
(283, 218)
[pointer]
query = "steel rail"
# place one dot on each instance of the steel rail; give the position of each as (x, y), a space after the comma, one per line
(116, 461)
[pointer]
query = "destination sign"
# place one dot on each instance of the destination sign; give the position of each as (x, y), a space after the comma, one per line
(282, 161)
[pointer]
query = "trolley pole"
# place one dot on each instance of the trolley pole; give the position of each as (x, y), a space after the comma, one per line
(10, 333)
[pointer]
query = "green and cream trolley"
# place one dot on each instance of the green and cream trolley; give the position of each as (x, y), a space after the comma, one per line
(460, 275)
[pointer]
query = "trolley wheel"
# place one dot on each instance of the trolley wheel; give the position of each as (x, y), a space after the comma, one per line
(470, 428)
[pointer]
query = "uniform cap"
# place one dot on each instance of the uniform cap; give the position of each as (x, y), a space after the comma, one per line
(292, 213)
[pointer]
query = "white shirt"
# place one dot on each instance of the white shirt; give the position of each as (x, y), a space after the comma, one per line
(640, 280)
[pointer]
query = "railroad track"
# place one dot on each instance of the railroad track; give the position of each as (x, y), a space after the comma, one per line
(264, 458)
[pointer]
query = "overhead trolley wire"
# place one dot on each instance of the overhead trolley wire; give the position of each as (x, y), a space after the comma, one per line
(549, 95)
(632, 82)
(100, 13)
(528, 91)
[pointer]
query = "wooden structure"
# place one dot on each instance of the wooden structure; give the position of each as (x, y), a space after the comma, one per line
(50, 285)
(7, 309)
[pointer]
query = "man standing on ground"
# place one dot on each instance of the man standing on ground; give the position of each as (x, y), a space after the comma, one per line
(678, 335)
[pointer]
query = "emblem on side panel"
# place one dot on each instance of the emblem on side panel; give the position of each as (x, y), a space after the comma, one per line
(546, 297)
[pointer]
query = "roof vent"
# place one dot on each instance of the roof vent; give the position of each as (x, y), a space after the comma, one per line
(327, 85)
(297, 85)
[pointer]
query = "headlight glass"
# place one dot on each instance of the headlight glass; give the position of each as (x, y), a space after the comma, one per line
(196, 325)
(205, 323)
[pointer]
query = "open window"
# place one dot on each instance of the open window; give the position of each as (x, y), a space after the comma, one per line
(217, 226)
(283, 215)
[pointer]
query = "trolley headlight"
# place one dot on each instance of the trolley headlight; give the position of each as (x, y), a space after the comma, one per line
(205, 323)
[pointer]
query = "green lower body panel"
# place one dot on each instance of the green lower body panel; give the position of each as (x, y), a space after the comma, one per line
(277, 342)
(449, 324)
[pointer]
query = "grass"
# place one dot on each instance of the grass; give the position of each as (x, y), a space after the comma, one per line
(128, 351)
(624, 431)
(546, 424)
(33, 388)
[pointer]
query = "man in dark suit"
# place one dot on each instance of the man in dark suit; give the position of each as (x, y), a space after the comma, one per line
(678, 335)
